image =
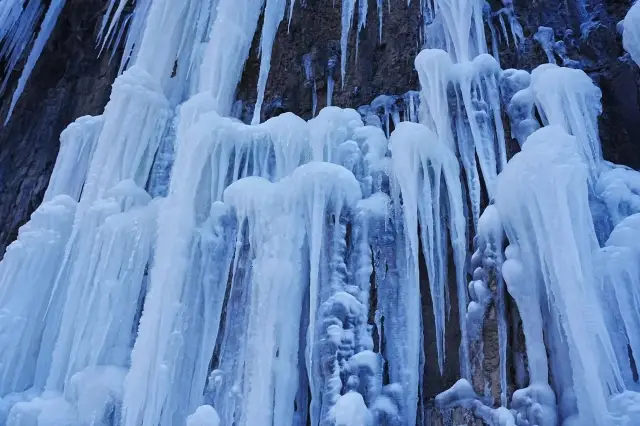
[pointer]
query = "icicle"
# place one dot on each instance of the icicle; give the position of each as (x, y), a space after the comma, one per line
(420, 163)
(348, 7)
(46, 28)
(631, 34)
(292, 3)
(380, 12)
(273, 14)
(362, 21)
(330, 82)
(478, 82)
(310, 80)
(17, 26)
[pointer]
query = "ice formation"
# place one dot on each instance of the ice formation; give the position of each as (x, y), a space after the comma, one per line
(187, 268)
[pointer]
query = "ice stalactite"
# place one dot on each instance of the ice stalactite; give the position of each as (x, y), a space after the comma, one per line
(310, 81)
(46, 28)
(348, 9)
(279, 280)
(631, 34)
(422, 165)
(273, 15)
(362, 21)
(18, 21)
(331, 65)
(476, 95)
(515, 32)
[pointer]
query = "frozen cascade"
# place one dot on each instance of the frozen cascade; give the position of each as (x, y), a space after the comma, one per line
(186, 268)
(551, 173)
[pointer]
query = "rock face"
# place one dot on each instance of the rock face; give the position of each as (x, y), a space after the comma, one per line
(70, 80)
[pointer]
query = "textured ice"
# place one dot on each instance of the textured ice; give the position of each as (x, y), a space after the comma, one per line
(277, 275)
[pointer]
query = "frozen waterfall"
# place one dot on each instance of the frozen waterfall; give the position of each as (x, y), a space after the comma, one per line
(186, 268)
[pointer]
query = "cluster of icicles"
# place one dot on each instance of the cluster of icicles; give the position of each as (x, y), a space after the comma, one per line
(185, 267)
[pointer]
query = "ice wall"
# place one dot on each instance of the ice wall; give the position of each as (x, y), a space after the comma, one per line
(188, 268)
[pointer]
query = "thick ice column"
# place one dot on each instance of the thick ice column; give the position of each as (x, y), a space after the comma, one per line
(77, 144)
(155, 357)
(619, 270)
(322, 189)
(33, 259)
(274, 304)
(228, 49)
(79, 268)
(104, 285)
(421, 164)
(160, 40)
(134, 122)
(542, 200)
(631, 34)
